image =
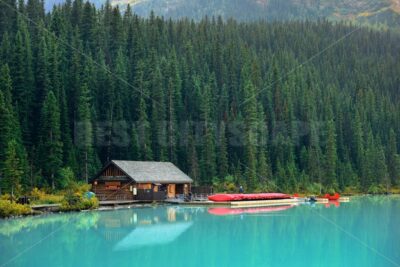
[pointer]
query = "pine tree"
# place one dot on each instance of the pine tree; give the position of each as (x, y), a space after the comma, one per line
(50, 145)
(208, 160)
(23, 80)
(84, 134)
(250, 116)
(42, 81)
(5, 49)
(12, 168)
(368, 162)
(9, 125)
(144, 134)
(222, 152)
(357, 143)
(8, 16)
(69, 153)
(381, 174)
(134, 144)
(158, 112)
(171, 121)
(5, 126)
(263, 168)
(331, 156)
(315, 160)
(393, 159)
(193, 160)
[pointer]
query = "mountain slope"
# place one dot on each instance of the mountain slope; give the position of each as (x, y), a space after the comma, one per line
(380, 12)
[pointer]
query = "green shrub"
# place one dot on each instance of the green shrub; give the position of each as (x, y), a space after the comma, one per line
(76, 202)
(67, 176)
(41, 197)
(227, 185)
(74, 198)
(395, 190)
(5, 197)
(77, 187)
(314, 188)
(8, 208)
(351, 190)
(377, 189)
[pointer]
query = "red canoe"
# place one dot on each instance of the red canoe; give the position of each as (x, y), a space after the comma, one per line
(229, 211)
(240, 197)
(336, 196)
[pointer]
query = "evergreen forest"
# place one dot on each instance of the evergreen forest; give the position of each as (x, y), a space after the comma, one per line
(274, 106)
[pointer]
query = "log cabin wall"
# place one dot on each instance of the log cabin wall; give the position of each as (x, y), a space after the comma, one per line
(105, 192)
(113, 184)
(112, 171)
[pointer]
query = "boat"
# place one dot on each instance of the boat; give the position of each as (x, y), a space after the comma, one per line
(230, 211)
(243, 197)
(336, 196)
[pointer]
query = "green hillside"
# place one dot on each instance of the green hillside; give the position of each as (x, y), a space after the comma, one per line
(379, 13)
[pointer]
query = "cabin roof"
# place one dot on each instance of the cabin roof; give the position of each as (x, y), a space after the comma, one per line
(150, 171)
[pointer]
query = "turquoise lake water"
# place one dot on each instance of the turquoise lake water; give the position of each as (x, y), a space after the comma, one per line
(364, 232)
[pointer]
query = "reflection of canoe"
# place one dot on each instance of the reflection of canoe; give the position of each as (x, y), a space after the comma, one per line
(240, 197)
(332, 202)
(336, 196)
(230, 211)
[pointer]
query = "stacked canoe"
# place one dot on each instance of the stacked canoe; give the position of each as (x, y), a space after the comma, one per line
(244, 197)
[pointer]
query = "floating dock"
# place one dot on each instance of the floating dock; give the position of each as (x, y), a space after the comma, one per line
(122, 202)
(240, 204)
(264, 203)
(255, 203)
(46, 207)
(344, 199)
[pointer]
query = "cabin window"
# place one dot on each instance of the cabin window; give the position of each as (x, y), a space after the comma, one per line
(113, 185)
(144, 186)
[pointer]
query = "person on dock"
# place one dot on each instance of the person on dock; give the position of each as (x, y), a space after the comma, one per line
(241, 191)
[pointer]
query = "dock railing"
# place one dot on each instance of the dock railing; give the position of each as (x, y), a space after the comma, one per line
(201, 193)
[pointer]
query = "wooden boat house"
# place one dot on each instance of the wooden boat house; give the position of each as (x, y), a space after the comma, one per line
(140, 180)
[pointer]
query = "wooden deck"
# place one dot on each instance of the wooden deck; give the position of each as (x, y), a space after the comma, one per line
(46, 207)
(121, 202)
(196, 203)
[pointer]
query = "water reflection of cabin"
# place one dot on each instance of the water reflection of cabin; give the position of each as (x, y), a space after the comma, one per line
(132, 228)
(140, 180)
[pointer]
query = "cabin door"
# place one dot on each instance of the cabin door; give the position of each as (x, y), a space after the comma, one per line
(171, 191)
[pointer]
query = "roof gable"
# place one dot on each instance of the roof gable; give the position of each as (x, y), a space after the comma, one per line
(151, 171)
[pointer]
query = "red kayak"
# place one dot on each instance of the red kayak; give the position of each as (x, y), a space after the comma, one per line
(336, 196)
(229, 211)
(242, 197)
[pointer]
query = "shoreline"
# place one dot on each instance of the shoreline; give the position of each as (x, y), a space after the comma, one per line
(107, 207)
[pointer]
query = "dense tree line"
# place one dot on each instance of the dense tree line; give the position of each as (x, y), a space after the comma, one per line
(263, 104)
